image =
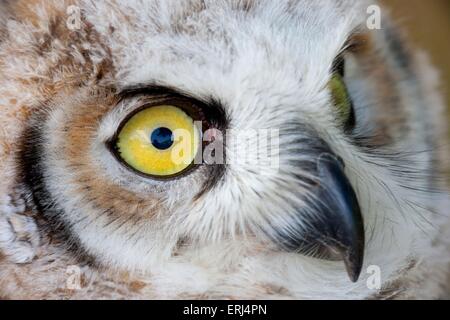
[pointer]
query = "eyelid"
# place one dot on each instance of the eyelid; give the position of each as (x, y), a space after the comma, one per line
(213, 112)
(191, 109)
(339, 65)
(355, 42)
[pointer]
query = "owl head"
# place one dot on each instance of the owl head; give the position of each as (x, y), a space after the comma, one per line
(236, 144)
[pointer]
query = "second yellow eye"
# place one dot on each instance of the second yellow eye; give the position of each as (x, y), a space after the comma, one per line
(342, 101)
(159, 141)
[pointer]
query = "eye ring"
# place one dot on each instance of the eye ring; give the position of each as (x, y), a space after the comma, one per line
(184, 104)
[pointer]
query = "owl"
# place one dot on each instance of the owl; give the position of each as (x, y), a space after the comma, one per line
(218, 149)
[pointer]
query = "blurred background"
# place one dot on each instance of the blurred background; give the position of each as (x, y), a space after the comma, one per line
(428, 25)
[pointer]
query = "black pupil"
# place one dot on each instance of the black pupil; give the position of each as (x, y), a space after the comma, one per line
(162, 138)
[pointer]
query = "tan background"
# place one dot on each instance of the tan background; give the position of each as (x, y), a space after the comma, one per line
(428, 25)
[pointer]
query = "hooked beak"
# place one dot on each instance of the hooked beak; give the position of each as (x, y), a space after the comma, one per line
(336, 231)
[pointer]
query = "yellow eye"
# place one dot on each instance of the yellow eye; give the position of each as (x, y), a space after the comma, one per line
(160, 141)
(342, 101)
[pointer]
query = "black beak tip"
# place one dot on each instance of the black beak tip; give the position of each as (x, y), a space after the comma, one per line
(353, 267)
(345, 214)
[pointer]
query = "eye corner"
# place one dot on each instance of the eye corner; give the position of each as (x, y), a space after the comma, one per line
(111, 143)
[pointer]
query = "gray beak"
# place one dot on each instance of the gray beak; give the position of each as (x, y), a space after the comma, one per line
(336, 231)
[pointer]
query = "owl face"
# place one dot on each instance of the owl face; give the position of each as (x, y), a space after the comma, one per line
(314, 99)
